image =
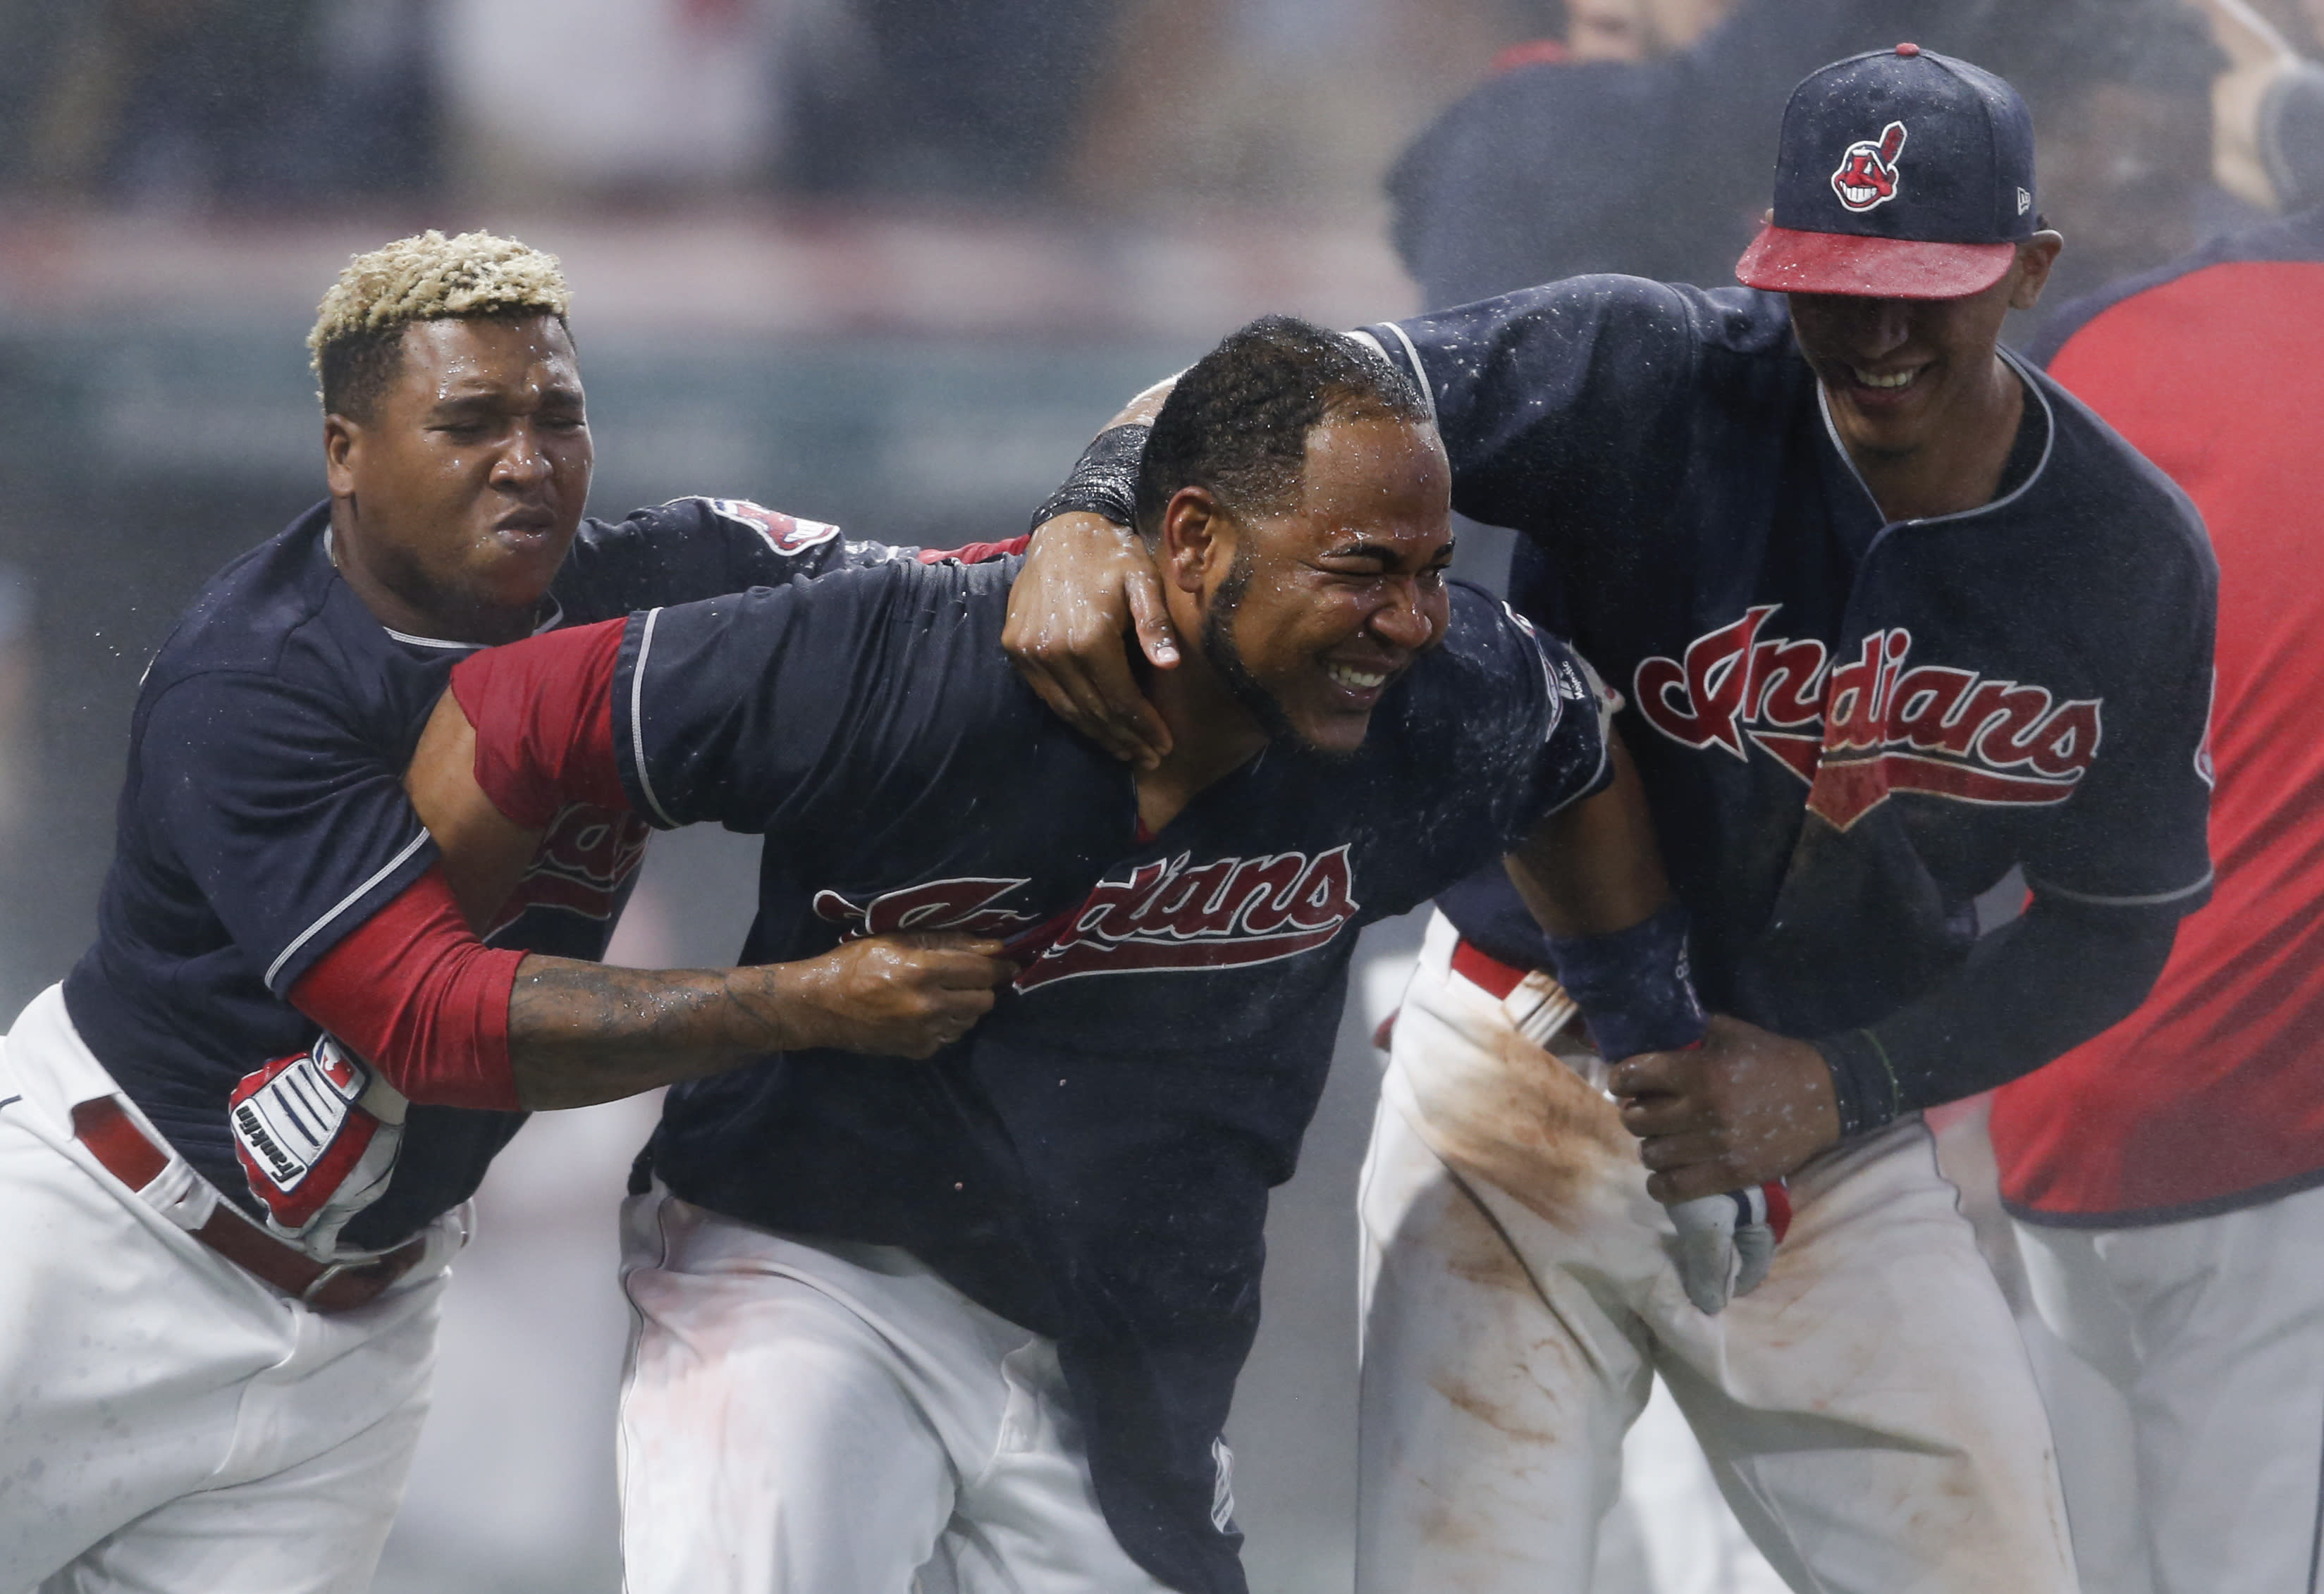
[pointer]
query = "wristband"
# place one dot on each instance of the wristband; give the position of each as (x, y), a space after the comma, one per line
(1864, 1090)
(1632, 986)
(1103, 480)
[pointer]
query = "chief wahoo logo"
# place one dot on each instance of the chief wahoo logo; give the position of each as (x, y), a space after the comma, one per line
(1867, 172)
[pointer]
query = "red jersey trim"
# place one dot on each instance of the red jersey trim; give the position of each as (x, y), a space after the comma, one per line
(413, 992)
(1530, 52)
(2204, 1099)
(975, 553)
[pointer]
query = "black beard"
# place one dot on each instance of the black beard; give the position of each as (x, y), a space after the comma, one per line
(1219, 648)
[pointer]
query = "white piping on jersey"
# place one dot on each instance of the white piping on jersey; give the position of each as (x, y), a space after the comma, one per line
(1589, 787)
(405, 636)
(1601, 704)
(346, 902)
(1605, 742)
(637, 725)
(549, 622)
(2049, 442)
(1419, 372)
(2153, 899)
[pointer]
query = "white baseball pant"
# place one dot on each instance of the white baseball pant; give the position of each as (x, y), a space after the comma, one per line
(2212, 1330)
(1671, 1532)
(832, 1418)
(1868, 1410)
(169, 1424)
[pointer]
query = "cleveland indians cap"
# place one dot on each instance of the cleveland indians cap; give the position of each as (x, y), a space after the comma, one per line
(1900, 174)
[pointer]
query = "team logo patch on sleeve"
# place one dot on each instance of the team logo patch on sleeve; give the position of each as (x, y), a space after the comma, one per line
(1858, 731)
(786, 534)
(1867, 178)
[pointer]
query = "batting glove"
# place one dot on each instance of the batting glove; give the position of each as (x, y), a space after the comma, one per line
(316, 1135)
(1727, 1243)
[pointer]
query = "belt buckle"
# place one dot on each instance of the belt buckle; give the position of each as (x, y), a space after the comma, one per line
(1541, 1010)
(1539, 1007)
(322, 1281)
(378, 1271)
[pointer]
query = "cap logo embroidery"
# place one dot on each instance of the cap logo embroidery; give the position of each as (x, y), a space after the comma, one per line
(1866, 177)
(2024, 201)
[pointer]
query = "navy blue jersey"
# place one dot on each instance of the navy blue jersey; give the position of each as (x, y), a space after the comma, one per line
(1848, 730)
(263, 817)
(1093, 1159)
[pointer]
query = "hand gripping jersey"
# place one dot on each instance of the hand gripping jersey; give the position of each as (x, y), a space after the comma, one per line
(1847, 729)
(2205, 1100)
(1092, 1161)
(263, 818)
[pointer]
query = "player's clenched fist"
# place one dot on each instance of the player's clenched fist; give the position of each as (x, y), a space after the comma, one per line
(895, 995)
(1743, 1108)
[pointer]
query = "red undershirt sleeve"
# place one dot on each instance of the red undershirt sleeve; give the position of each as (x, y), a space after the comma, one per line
(415, 994)
(543, 713)
(412, 990)
(975, 553)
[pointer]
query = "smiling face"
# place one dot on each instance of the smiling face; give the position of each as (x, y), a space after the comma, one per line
(455, 499)
(1899, 371)
(1309, 614)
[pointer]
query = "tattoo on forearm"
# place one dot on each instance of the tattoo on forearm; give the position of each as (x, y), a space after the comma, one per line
(582, 1032)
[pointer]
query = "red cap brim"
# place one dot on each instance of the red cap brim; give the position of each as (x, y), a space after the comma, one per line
(1789, 261)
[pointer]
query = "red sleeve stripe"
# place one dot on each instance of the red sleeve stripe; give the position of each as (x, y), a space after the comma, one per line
(543, 713)
(414, 993)
(975, 553)
(1529, 52)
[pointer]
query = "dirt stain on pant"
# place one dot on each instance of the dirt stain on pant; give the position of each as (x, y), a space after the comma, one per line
(1531, 1126)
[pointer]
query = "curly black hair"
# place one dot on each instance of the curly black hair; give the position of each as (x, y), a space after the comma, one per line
(1237, 422)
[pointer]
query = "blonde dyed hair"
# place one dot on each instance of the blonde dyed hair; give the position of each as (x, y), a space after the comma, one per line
(355, 346)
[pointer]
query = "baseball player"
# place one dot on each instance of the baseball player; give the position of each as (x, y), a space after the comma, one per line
(977, 1322)
(238, 1141)
(2165, 1175)
(1892, 614)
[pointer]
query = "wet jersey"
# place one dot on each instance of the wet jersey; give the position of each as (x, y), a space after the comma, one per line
(1847, 729)
(1093, 1160)
(263, 817)
(2206, 1098)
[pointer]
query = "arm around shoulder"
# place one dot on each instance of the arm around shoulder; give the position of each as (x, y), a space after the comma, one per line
(1087, 586)
(1576, 382)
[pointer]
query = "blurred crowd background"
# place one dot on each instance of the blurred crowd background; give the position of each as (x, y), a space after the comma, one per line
(886, 262)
